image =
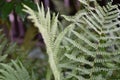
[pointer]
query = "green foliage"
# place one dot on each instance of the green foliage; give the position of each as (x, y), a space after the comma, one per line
(20, 56)
(49, 30)
(16, 71)
(8, 48)
(12, 59)
(96, 37)
(7, 8)
(14, 5)
(87, 49)
(5, 47)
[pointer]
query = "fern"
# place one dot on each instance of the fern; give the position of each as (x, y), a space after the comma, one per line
(51, 37)
(16, 71)
(11, 70)
(3, 45)
(87, 49)
(7, 47)
(97, 41)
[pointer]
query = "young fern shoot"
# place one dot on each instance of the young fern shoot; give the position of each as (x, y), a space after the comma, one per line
(48, 28)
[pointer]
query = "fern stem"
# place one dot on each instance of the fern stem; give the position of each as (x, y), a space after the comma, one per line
(54, 67)
(50, 51)
(49, 73)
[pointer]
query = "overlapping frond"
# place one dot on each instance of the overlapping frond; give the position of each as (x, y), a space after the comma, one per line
(16, 71)
(12, 70)
(97, 41)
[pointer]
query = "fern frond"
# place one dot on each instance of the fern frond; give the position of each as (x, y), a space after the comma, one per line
(85, 39)
(48, 28)
(6, 47)
(17, 73)
(80, 59)
(108, 26)
(80, 47)
(95, 38)
(2, 58)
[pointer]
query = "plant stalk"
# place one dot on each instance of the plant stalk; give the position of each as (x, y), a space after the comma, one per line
(53, 66)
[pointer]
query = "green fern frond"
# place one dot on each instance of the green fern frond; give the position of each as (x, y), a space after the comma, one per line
(2, 58)
(14, 72)
(11, 70)
(96, 39)
(6, 47)
(80, 47)
(84, 39)
(49, 30)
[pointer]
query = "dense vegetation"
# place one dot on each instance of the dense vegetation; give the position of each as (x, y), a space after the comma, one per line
(84, 46)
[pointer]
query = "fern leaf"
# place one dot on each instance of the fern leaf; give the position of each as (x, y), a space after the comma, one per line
(84, 39)
(54, 27)
(17, 73)
(60, 37)
(81, 59)
(95, 42)
(80, 47)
